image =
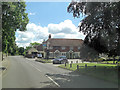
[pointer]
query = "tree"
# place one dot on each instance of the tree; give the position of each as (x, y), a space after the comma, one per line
(101, 25)
(33, 44)
(13, 18)
(26, 49)
(21, 50)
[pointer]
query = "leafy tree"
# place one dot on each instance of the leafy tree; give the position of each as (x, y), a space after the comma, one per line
(33, 44)
(13, 18)
(21, 50)
(101, 25)
(27, 48)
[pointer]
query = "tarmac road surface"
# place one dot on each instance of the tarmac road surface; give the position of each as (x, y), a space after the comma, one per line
(25, 73)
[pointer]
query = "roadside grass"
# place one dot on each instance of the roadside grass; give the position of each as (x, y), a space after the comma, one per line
(43, 60)
(4, 64)
(109, 62)
(107, 72)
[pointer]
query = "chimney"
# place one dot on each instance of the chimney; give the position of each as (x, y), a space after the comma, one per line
(49, 36)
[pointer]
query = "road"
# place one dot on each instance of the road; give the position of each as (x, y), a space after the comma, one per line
(25, 73)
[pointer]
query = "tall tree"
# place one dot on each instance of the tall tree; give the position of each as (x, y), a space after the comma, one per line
(101, 25)
(13, 18)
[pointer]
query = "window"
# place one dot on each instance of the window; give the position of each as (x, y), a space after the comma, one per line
(51, 47)
(51, 54)
(71, 48)
(78, 48)
(63, 54)
(76, 54)
(56, 47)
(63, 48)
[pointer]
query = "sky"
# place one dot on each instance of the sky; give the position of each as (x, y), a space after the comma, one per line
(48, 18)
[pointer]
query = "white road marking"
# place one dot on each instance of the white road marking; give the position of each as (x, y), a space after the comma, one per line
(52, 80)
(34, 67)
(45, 75)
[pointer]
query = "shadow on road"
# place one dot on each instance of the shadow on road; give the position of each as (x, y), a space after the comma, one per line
(75, 80)
(48, 84)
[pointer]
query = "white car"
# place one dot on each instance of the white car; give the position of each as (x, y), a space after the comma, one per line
(39, 55)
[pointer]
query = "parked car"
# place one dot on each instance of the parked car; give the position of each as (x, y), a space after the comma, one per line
(60, 60)
(39, 55)
(30, 56)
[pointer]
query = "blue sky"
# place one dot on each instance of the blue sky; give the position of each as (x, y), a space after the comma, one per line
(49, 12)
(48, 18)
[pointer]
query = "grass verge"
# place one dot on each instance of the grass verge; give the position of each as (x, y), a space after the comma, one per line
(108, 72)
(109, 62)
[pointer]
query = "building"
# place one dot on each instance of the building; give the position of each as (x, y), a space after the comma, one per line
(32, 52)
(40, 50)
(57, 47)
(54, 47)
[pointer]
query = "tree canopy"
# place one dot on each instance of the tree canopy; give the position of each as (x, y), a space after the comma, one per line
(21, 50)
(101, 25)
(14, 18)
(33, 44)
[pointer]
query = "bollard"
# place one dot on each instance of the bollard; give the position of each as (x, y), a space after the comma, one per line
(71, 65)
(65, 64)
(77, 67)
(85, 65)
(95, 66)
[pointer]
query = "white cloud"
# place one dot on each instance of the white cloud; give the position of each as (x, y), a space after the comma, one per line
(32, 13)
(37, 33)
(64, 27)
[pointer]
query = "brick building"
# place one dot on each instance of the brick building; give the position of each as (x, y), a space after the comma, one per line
(57, 47)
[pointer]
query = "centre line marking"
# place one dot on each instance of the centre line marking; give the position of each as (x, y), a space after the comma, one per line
(34, 67)
(45, 75)
(52, 80)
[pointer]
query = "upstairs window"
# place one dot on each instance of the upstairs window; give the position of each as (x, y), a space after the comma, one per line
(63, 48)
(71, 48)
(78, 48)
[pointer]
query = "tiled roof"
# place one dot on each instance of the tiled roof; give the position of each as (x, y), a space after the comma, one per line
(65, 42)
(39, 47)
(32, 50)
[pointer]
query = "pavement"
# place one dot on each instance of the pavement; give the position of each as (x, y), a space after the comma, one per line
(27, 73)
(4, 64)
(3, 67)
